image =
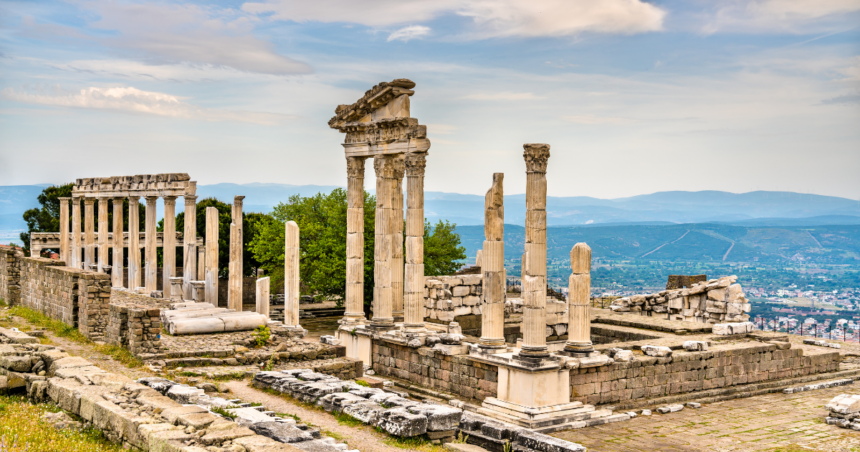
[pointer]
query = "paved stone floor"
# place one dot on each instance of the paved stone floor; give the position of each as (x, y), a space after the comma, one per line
(772, 422)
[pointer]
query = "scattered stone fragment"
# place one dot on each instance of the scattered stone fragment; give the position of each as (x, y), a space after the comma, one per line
(812, 387)
(694, 405)
(623, 356)
(670, 408)
(696, 346)
(657, 350)
(646, 412)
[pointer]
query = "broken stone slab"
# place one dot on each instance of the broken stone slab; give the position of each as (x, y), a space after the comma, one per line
(184, 394)
(367, 412)
(694, 405)
(670, 408)
(657, 351)
(16, 363)
(844, 404)
(531, 440)
(726, 329)
(17, 337)
(330, 340)
(71, 361)
(439, 417)
(623, 356)
(400, 422)
(159, 384)
(696, 346)
(281, 432)
(812, 387)
(219, 436)
(595, 361)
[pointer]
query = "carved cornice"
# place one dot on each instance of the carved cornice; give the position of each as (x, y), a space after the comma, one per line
(415, 164)
(536, 156)
(355, 166)
(384, 130)
(374, 98)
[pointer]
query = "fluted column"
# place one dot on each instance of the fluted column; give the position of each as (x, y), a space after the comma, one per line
(234, 284)
(103, 234)
(414, 281)
(211, 256)
(492, 262)
(354, 312)
(64, 230)
(116, 272)
(579, 322)
(536, 156)
(201, 259)
(75, 237)
(397, 242)
(89, 233)
(189, 252)
(151, 271)
(168, 246)
(291, 275)
(134, 270)
(383, 244)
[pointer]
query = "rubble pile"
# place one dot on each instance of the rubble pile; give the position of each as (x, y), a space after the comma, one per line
(844, 411)
(713, 301)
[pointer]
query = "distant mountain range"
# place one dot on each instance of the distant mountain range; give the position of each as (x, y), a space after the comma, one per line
(754, 209)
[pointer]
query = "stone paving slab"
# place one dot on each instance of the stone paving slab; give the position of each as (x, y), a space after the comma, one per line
(762, 423)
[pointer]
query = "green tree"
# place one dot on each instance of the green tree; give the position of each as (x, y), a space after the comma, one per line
(225, 213)
(442, 248)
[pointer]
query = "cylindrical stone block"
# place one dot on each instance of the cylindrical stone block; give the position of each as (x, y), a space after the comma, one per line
(189, 252)
(291, 275)
(134, 268)
(150, 226)
(211, 256)
(168, 244)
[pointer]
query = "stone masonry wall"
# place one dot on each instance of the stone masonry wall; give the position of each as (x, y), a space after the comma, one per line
(455, 374)
(134, 322)
(454, 299)
(723, 366)
(50, 288)
(94, 294)
(10, 275)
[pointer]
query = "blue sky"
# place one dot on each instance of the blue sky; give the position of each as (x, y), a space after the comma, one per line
(633, 96)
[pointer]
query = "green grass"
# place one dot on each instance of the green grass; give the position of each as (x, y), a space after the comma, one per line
(345, 419)
(362, 383)
(224, 412)
(3, 303)
(21, 429)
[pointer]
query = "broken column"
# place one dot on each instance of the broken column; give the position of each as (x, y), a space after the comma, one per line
(354, 312)
(103, 235)
(211, 256)
(151, 268)
(89, 233)
(189, 251)
(134, 269)
(534, 346)
(493, 267)
(414, 281)
(263, 296)
(118, 255)
(291, 275)
(75, 237)
(579, 322)
(234, 283)
(397, 242)
(168, 247)
(383, 244)
(64, 230)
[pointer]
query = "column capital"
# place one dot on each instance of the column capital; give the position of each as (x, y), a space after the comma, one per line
(135, 197)
(151, 199)
(385, 166)
(89, 201)
(190, 199)
(415, 164)
(237, 200)
(399, 166)
(536, 156)
(355, 166)
(64, 199)
(169, 199)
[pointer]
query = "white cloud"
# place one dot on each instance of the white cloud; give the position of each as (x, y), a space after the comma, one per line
(179, 72)
(133, 100)
(411, 32)
(490, 18)
(505, 95)
(593, 120)
(791, 16)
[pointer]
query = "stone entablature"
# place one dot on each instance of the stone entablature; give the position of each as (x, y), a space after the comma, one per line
(171, 184)
(46, 240)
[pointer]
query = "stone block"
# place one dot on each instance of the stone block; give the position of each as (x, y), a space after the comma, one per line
(439, 417)
(670, 408)
(281, 432)
(696, 346)
(400, 422)
(657, 351)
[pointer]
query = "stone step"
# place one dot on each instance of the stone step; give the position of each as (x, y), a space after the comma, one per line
(600, 420)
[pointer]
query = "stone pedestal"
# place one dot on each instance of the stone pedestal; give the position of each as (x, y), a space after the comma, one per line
(211, 256)
(189, 251)
(118, 245)
(103, 235)
(199, 291)
(263, 296)
(64, 230)
(168, 249)
(150, 226)
(175, 289)
(354, 312)
(358, 342)
(89, 233)
(134, 269)
(492, 264)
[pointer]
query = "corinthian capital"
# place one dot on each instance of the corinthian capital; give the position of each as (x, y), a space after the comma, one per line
(399, 163)
(384, 166)
(536, 156)
(355, 166)
(415, 164)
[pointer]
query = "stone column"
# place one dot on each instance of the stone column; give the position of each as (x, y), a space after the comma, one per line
(263, 296)
(234, 285)
(118, 255)
(201, 259)
(291, 275)
(151, 271)
(64, 230)
(75, 237)
(89, 233)
(168, 247)
(211, 256)
(189, 252)
(579, 322)
(134, 269)
(103, 234)
(383, 244)
(534, 346)
(397, 242)
(492, 262)
(414, 281)
(354, 312)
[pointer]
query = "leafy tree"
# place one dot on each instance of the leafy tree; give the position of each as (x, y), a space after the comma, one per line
(442, 248)
(225, 213)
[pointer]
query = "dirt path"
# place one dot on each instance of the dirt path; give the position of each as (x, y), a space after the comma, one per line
(361, 437)
(667, 243)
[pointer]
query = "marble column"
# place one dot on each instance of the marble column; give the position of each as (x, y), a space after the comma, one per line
(414, 281)
(383, 244)
(168, 247)
(211, 256)
(579, 322)
(104, 254)
(134, 270)
(234, 284)
(189, 252)
(151, 269)
(534, 346)
(354, 312)
(263, 296)
(292, 277)
(89, 233)
(201, 259)
(75, 237)
(397, 242)
(64, 230)
(492, 262)
(118, 255)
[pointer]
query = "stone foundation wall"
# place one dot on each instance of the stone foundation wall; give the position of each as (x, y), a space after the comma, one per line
(94, 294)
(134, 322)
(454, 299)
(10, 275)
(455, 374)
(50, 288)
(724, 366)
(607, 335)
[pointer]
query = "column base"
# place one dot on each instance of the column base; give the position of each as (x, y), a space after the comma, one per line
(492, 346)
(382, 325)
(414, 328)
(577, 349)
(532, 355)
(398, 317)
(352, 319)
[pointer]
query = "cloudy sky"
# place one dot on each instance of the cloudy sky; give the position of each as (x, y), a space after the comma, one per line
(633, 96)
